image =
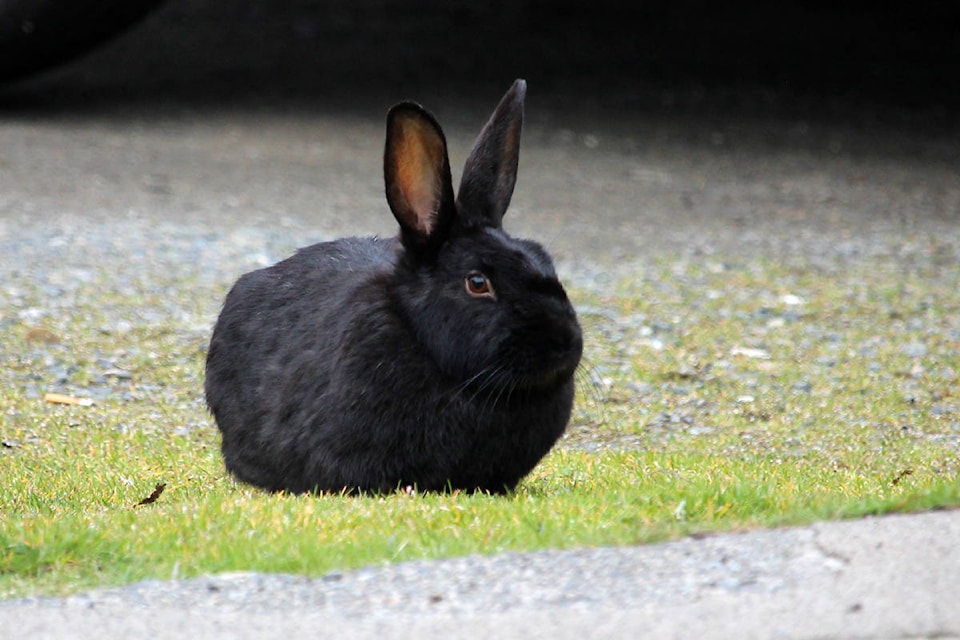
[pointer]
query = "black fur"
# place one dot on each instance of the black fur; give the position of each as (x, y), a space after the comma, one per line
(368, 365)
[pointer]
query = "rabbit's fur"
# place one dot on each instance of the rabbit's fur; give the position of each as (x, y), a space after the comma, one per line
(442, 359)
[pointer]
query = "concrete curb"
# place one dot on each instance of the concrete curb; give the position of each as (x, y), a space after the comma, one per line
(889, 577)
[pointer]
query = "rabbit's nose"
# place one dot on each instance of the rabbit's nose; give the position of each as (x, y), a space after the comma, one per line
(575, 342)
(567, 342)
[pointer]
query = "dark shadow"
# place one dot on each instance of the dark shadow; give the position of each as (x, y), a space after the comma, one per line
(689, 57)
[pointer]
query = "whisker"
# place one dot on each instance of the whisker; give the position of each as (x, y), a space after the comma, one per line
(488, 382)
(487, 378)
(463, 386)
(504, 382)
(587, 378)
(458, 391)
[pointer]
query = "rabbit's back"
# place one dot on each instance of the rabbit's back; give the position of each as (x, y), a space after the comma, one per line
(274, 349)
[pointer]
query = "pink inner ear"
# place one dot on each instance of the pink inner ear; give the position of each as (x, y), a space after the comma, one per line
(419, 164)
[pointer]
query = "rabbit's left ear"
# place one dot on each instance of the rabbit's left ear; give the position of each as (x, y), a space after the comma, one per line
(416, 174)
(490, 172)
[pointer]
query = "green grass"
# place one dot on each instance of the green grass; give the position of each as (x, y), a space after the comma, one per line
(714, 397)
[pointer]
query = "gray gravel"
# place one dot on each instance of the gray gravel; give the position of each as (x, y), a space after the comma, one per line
(116, 177)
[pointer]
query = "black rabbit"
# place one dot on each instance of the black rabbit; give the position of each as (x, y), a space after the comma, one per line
(442, 359)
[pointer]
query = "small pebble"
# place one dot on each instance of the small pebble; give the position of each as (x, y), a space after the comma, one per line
(119, 374)
(748, 352)
(914, 349)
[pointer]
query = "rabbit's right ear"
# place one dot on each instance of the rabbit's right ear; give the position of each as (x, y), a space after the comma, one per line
(490, 171)
(416, 173)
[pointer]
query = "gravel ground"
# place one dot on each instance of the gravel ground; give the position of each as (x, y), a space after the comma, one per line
(124, 169)
(150, 202)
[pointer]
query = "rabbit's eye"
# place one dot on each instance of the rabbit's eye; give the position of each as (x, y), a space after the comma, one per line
(478, 285)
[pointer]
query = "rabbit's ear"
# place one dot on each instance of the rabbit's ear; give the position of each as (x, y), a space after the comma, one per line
(490, 172)
(416, 171)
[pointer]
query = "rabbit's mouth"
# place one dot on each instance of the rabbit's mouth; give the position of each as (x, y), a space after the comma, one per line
(551, 375)
(538, 376)
(556, 362)
(548, 380)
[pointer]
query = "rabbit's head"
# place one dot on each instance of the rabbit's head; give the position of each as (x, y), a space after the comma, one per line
(488, 307)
